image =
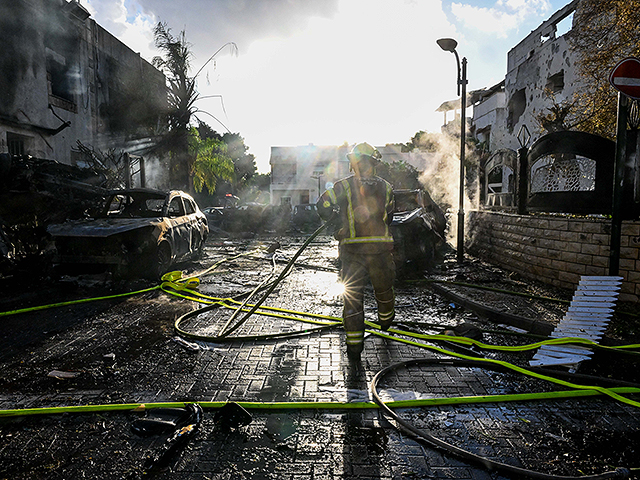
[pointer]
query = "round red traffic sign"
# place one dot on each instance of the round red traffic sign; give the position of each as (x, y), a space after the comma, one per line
(625, 77)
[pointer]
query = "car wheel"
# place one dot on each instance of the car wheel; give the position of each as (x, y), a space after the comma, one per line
(426, 253)
(162, 259)
(198, 246)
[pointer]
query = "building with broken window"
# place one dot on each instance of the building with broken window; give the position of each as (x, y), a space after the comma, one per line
(64, 79)
(546, 194)
(540, 71)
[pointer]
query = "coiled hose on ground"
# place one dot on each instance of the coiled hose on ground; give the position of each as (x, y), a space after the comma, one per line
(487, 463)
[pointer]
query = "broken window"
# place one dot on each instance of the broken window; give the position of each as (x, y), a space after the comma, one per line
(555, 83)
(17, 144)
(564, 25)
(176, 209)
(117, 205)
(517, 106)
(189, 206)
(62, 63)
(154, 205)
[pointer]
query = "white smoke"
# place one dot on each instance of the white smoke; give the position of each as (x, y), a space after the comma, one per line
(441, 178)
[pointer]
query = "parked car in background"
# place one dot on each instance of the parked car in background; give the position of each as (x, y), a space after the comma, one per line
(215, 216)
(138, 232)
(418, 228)
(305, 217)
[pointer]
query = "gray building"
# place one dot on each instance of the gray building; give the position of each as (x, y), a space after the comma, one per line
(65, 79)
(540, 70)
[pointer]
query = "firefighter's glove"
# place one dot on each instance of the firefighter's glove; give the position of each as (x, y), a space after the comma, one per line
(334, 216)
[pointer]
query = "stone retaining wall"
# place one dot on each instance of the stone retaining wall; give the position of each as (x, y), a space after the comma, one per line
(555, 249)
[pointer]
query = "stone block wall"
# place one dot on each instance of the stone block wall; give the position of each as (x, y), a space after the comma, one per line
(555, 249)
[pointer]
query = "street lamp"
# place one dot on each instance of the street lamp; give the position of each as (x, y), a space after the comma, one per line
(449, 45)
(318, 176)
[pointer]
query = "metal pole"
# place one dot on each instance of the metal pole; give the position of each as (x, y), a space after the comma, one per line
(523, 180)
(143, 179)
(616, 216)
(463, 113)
(127, 170)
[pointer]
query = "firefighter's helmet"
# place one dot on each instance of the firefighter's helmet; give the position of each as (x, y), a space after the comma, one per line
(363, 151)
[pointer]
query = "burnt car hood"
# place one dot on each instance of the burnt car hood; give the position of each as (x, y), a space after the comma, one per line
(102, 227)
(419, 216)
(406, 217)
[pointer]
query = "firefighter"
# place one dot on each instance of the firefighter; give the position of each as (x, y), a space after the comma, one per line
(363, 204)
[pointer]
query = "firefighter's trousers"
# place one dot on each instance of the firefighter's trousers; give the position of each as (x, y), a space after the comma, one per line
(357, 270)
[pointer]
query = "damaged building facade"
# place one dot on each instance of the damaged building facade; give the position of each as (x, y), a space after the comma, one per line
(519, 224)
(69, 91)
(540, 70)
(64, 79)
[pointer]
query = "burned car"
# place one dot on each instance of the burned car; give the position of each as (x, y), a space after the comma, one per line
(215, 216)
(418, 229)
(137, 232)
(305, 217)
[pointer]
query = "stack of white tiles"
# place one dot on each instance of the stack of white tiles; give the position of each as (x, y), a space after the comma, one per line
(587, 317)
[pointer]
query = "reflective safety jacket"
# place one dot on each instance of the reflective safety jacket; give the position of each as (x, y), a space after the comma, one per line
(365, 208)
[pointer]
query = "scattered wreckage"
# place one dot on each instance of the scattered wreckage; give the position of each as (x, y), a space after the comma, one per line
(55, 214)
(418, 226)
(138, 232)
(34, 193)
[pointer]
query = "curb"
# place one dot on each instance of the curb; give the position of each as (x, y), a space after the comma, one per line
(538, 327)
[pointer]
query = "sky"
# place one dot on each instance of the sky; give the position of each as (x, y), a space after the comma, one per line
(326, 72)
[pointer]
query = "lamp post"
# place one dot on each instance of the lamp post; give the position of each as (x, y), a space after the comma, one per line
(449, 45)
(318, 177)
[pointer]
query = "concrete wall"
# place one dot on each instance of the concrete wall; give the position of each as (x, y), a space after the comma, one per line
(555, 249)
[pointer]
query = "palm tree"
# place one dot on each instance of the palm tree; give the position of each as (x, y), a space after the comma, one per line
(182, 96)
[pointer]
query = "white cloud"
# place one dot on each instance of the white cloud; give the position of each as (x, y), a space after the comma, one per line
(505, 17)
(124, 20)
(320, 72)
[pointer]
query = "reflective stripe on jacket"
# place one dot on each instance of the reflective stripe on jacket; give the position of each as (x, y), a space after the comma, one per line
(366, 206)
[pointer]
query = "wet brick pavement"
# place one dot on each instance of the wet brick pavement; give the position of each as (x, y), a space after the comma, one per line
(301, 444)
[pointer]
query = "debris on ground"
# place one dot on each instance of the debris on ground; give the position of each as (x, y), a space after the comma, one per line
(126, 352)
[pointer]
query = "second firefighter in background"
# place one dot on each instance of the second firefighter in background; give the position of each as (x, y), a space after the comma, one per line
(364, 204)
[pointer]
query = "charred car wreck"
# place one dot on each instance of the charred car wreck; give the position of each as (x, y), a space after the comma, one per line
(418, 228)
(138, 232)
